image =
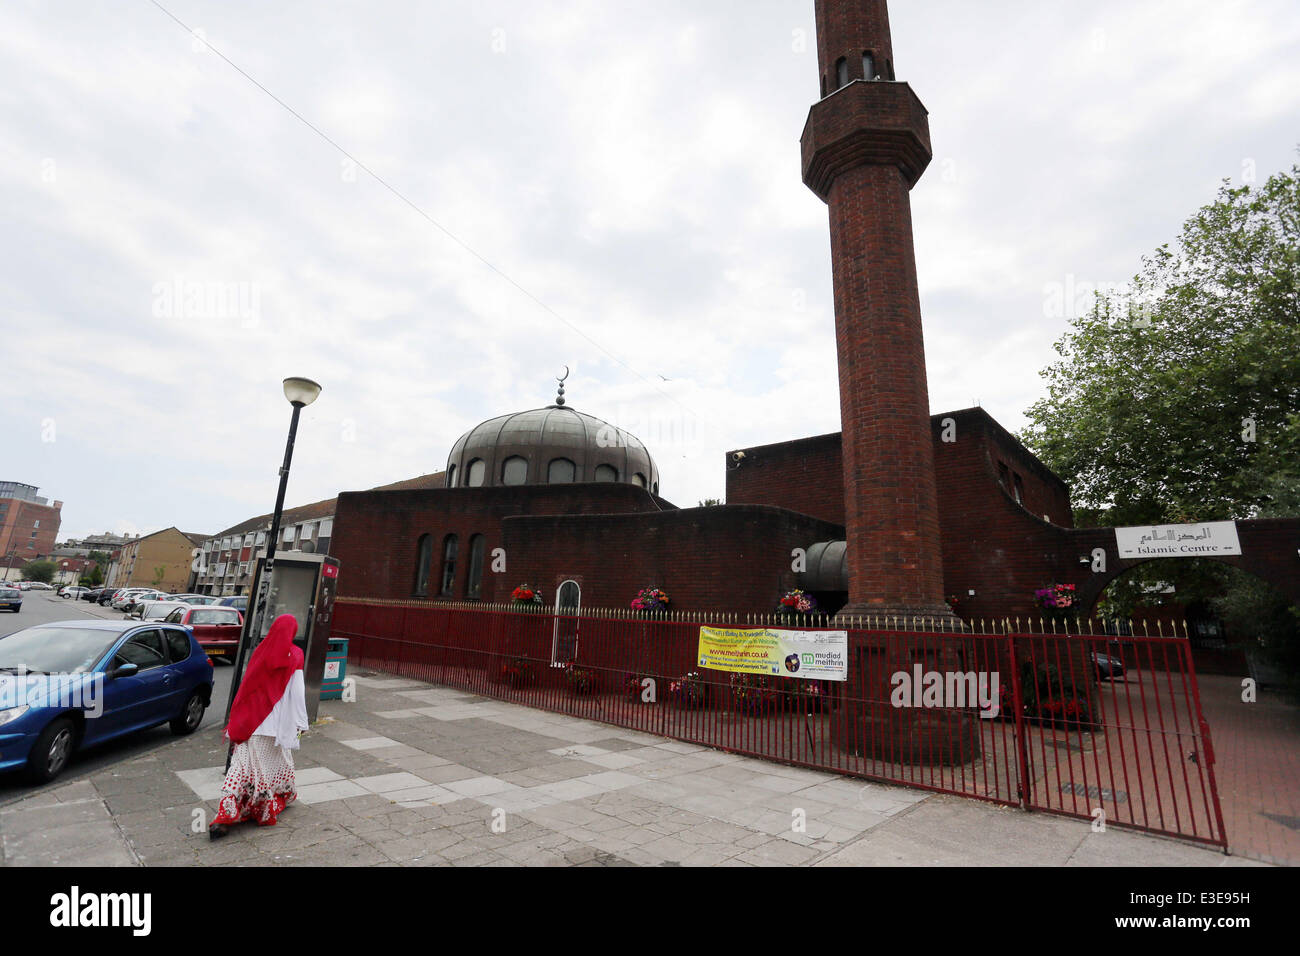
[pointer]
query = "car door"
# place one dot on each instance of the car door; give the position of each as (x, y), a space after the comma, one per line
(145, 698)
(188, 669)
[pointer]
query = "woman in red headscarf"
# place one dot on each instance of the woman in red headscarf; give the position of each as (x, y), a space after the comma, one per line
(269, 713)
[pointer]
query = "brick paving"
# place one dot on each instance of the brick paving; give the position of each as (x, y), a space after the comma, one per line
(1257, 746)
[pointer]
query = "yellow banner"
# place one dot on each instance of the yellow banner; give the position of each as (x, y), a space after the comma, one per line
(815, 655)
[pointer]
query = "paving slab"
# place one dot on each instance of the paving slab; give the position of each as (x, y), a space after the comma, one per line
(416, 775)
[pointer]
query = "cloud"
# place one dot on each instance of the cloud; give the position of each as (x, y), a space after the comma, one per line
(633, 167)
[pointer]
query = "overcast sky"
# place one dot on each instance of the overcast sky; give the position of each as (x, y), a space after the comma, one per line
(632, 166)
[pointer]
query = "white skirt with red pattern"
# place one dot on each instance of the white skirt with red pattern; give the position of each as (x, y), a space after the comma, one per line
(259, 783)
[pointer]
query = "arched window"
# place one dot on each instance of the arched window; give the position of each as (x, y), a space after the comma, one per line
(423, 559)
(606, 473)
(448, 565)
(560, 472)
(868, 65)
(638, 479)
(841, 72)
(451, 476)
(564, 634)
(514, 471)
(476, 472)
(474, 586)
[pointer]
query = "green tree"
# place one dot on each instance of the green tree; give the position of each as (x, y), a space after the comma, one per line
(710, 502)
(1179, 398)
(1270, 624)
(42, 571)
(93, 578)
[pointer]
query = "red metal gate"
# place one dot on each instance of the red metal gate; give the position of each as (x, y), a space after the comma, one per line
(1113, 729)
(1073, 724)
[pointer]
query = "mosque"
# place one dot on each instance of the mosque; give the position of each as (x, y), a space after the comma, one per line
(902, 514)
(568, 503)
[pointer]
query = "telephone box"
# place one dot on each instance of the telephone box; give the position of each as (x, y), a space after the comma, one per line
(304, 585)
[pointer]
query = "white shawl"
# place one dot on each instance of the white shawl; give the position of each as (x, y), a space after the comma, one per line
(289, 715)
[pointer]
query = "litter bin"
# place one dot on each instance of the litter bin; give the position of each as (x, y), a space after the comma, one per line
(336, 668)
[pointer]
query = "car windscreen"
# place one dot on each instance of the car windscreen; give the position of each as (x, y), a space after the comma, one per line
(55, 650)
(10, 592)
(214, 615)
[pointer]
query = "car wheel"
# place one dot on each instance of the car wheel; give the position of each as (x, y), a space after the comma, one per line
(52, 750)
(191, 715)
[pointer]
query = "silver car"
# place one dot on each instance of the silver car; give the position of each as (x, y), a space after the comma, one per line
(154, 610)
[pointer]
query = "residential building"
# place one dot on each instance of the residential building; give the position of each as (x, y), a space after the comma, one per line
(29, 524)
(161, 560)
(229, 557)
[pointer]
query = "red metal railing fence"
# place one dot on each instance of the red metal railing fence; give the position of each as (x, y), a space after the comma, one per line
(1077, 724)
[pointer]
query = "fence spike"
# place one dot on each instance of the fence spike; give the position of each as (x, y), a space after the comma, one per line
(1160, 629)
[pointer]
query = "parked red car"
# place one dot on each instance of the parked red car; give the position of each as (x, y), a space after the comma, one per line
(215, 628)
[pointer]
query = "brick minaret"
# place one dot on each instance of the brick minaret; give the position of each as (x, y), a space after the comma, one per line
(864, 146)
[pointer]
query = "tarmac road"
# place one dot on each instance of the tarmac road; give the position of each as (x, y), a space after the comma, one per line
(41, 607)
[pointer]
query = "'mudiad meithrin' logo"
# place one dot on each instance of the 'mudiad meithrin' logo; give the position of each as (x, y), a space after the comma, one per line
(75, 908)
(922, 688)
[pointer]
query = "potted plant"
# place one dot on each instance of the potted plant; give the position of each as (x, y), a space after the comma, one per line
(517, 672)
(526, 597)
(796, 604)
(632, 686)
(805, 696)
(749, 691)
(689, 691)
(650, 599)
(1057, 601)
(581, 680)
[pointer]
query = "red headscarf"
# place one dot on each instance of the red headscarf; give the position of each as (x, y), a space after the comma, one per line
(265, 679)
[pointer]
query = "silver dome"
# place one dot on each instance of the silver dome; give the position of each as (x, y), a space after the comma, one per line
(533, 447)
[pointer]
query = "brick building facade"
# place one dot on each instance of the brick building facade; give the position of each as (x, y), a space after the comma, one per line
(29, 524)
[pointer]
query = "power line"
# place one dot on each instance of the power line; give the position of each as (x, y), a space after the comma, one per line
(402, 197)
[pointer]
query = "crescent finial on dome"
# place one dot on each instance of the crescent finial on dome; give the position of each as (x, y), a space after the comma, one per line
(559, 398)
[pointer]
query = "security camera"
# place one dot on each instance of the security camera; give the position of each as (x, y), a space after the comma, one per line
(736, 456)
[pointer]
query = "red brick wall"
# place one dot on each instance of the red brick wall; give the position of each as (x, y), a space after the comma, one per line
(725, 558)
(377, 533)
(848, 30)
(805, 475)
(18, 525)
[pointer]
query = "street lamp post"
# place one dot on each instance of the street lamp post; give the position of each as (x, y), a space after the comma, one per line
(300, 392)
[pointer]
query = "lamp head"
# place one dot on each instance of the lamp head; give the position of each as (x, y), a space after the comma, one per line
(300, 391)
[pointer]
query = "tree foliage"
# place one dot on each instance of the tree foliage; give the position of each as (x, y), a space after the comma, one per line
(1179, 398)
(42, 571)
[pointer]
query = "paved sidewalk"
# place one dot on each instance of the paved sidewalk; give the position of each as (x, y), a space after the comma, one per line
(414, 774)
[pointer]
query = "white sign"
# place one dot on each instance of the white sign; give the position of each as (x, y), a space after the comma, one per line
(1212, 539)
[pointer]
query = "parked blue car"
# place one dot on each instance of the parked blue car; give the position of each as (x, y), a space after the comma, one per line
(73, 684)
